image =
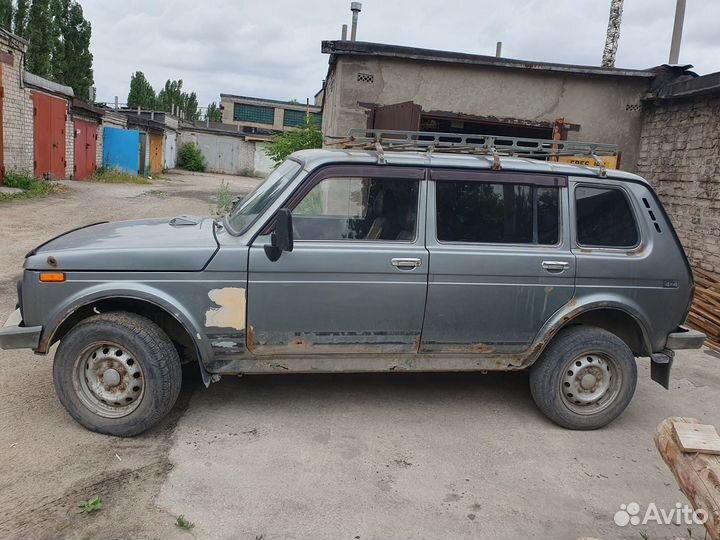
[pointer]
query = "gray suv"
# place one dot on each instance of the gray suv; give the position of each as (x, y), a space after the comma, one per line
(369, 261)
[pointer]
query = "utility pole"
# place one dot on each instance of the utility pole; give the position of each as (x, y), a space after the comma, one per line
(677, 32)
(613, 33)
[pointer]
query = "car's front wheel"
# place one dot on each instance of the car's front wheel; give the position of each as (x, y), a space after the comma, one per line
(584, 379)
(117, 373)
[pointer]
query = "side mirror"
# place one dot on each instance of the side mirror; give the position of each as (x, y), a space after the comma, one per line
(282, 239)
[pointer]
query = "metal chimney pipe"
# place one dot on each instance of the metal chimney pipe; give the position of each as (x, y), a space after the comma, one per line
(117, 104)
(498, 49)
(343, 34)
(355, 7)
(677, 32)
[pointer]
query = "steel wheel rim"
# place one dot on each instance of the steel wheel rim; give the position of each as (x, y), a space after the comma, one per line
(108, 379)
(590, 383)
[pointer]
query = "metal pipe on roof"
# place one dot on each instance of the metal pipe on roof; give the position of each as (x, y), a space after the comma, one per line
(355, 7)
(343, 34)
(498, 49)
(677, 32)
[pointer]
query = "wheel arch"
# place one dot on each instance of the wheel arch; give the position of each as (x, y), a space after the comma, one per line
(179, 329)
(614, 317)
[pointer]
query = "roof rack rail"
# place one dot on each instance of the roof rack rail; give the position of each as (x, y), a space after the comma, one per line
(461, 143)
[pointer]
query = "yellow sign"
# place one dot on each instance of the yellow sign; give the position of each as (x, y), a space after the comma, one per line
(609, 161)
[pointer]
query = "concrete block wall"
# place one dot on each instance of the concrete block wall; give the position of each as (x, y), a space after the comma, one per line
(680, 155)
(17, 110)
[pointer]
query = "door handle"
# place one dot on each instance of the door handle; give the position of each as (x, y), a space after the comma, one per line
(405, 264)
(555, 266)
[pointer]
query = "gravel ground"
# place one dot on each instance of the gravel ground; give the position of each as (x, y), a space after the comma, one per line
(319, 456)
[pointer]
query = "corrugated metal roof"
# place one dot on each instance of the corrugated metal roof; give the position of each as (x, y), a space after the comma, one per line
(362, 48)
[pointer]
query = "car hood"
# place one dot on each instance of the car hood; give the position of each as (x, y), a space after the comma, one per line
(178, 244)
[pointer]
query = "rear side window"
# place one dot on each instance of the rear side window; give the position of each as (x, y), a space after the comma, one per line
(604, 218)
(496, 213)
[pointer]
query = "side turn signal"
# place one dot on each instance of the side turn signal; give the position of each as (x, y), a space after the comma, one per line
(52, 277)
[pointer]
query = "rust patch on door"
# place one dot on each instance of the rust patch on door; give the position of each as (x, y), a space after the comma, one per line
(231, 310)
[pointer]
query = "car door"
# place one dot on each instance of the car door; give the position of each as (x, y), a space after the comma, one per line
(500, 260)
(356, 279)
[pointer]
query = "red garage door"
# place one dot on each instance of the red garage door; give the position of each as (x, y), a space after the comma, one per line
(85, 145)
(49, 125)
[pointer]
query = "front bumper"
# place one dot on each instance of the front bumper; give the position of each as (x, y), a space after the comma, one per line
(14, 336)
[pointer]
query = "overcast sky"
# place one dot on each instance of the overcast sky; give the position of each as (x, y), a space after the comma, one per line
(271, 48)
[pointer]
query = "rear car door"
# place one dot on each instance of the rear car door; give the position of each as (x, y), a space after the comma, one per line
(357, 277)
(500, 260)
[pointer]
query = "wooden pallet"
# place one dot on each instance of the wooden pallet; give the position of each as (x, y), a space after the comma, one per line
(705, 311)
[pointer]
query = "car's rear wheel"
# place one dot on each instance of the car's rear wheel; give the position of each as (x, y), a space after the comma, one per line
(584, 379)
(117, 373)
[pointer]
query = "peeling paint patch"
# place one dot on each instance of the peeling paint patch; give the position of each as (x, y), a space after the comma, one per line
(231, 313)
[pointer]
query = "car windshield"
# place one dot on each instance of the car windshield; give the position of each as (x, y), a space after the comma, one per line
(261, 197)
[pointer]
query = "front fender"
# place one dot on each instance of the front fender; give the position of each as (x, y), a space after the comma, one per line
(126, 291)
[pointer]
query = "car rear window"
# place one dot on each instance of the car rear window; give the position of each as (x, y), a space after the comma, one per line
(604, 218)
(496, 213)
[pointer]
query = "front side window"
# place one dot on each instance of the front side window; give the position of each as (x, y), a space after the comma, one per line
(604, 218)
(262, 197)
(496, 213)
(358, 208)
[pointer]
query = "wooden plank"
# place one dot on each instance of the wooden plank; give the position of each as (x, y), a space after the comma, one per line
(697, 438)
(697, 475)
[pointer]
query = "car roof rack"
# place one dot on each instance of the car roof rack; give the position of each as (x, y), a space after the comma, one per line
(381, 140)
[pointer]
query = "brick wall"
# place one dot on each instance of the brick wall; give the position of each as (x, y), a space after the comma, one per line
(69, 147)
(680, 156)
(17, 110)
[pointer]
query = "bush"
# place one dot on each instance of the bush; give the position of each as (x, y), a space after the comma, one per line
(20, 180)
(285, 143)
(32, 187)
(190, 158)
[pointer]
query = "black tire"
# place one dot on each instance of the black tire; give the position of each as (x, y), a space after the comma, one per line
(145, 349)
(558, 386)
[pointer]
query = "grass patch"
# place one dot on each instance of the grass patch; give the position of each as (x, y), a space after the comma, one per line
(93, 504)
(184, 524)
(109, 175)
(223, 200)
(32, 187)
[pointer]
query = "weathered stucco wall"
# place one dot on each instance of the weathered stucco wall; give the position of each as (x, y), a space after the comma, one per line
(680, 156)
(227, 154)
(607, 108)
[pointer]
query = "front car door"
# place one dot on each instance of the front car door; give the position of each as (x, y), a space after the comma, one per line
(357, 277)
(500, 260)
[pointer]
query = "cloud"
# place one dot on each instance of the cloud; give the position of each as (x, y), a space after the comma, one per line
(272, 48)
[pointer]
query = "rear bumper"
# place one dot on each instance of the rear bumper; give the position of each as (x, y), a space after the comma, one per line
(14, 336)
(684, 338)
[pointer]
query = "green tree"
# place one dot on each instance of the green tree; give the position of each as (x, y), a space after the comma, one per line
(172, 97)
(20, 18)
(214, 114)
(190, 106)
(6, 14)
(41, 33)
(71, 57)
(141, 92)
(285, 143)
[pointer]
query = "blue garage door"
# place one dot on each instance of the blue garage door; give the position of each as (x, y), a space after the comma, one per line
(121, 149)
